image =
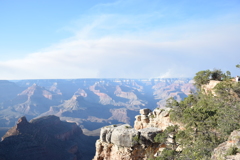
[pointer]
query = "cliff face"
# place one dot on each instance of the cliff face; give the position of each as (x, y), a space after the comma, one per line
(86, 100)
(126, 143)
(228, 150)
(158, 118)
(209, 87)
(45, 138)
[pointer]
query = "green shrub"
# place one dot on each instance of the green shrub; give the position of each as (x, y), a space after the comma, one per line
(217, 74)
(136, 139)
(202, 77)
(233, 150)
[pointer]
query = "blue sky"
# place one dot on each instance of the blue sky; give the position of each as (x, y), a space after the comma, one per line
(44, 39)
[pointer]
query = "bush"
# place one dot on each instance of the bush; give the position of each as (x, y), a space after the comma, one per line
(233, 150)
(202, 77)
(216, 74)
(208, 120)
(136, 139)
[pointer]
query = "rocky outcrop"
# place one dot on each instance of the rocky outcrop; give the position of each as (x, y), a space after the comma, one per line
(45, 138)
(158, 118)
(210, 86)
(228, 150)
(125, 143)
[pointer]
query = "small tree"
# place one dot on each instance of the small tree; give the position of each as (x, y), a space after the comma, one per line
(227, 76)
(228, 73)
(216, 74)
(202, 77)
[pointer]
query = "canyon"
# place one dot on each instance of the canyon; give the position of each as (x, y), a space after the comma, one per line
(121, 118)
(89, 104)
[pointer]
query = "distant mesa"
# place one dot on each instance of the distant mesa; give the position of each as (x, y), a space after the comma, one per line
(92, 103)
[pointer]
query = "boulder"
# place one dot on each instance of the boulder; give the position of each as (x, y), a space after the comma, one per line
(143, 117)
(157, 112)
(123, 136)
(126, 136)
(138, 118)
(145, 111)
(127, 143)
(150, 133)
(106, 133)
(165, 112)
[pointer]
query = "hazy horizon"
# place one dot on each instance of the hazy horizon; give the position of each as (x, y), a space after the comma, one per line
(15, 80)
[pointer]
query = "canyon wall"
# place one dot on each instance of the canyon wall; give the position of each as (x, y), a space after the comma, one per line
(127, 143)
(45, 138)
(228, 150)
(91, 103)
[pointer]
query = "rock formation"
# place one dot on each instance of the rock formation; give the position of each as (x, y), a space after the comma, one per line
(157, 118)
(228, 150)
(33, 101)
(127, 143)
(45, 138)
(210, 86)
(92, 103)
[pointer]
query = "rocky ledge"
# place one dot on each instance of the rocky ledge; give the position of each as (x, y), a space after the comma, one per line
(158, 118)
(45, 138)
(127, 143)
(124, 142)
(228, 150)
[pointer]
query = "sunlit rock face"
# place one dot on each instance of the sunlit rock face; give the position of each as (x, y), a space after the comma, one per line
(45, 138)
(209, 88)
(124, 142)
(225, 149)
(158, 118)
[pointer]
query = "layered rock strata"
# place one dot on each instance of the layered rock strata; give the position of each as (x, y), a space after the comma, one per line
(45, 138)
(209, 88)
(158, 118)
(126, 143)
(228, 150)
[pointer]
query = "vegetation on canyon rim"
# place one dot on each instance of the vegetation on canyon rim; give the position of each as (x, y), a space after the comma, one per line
(208, 117)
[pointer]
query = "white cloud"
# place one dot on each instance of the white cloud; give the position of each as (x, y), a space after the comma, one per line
(113, 57)
(124, 46)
